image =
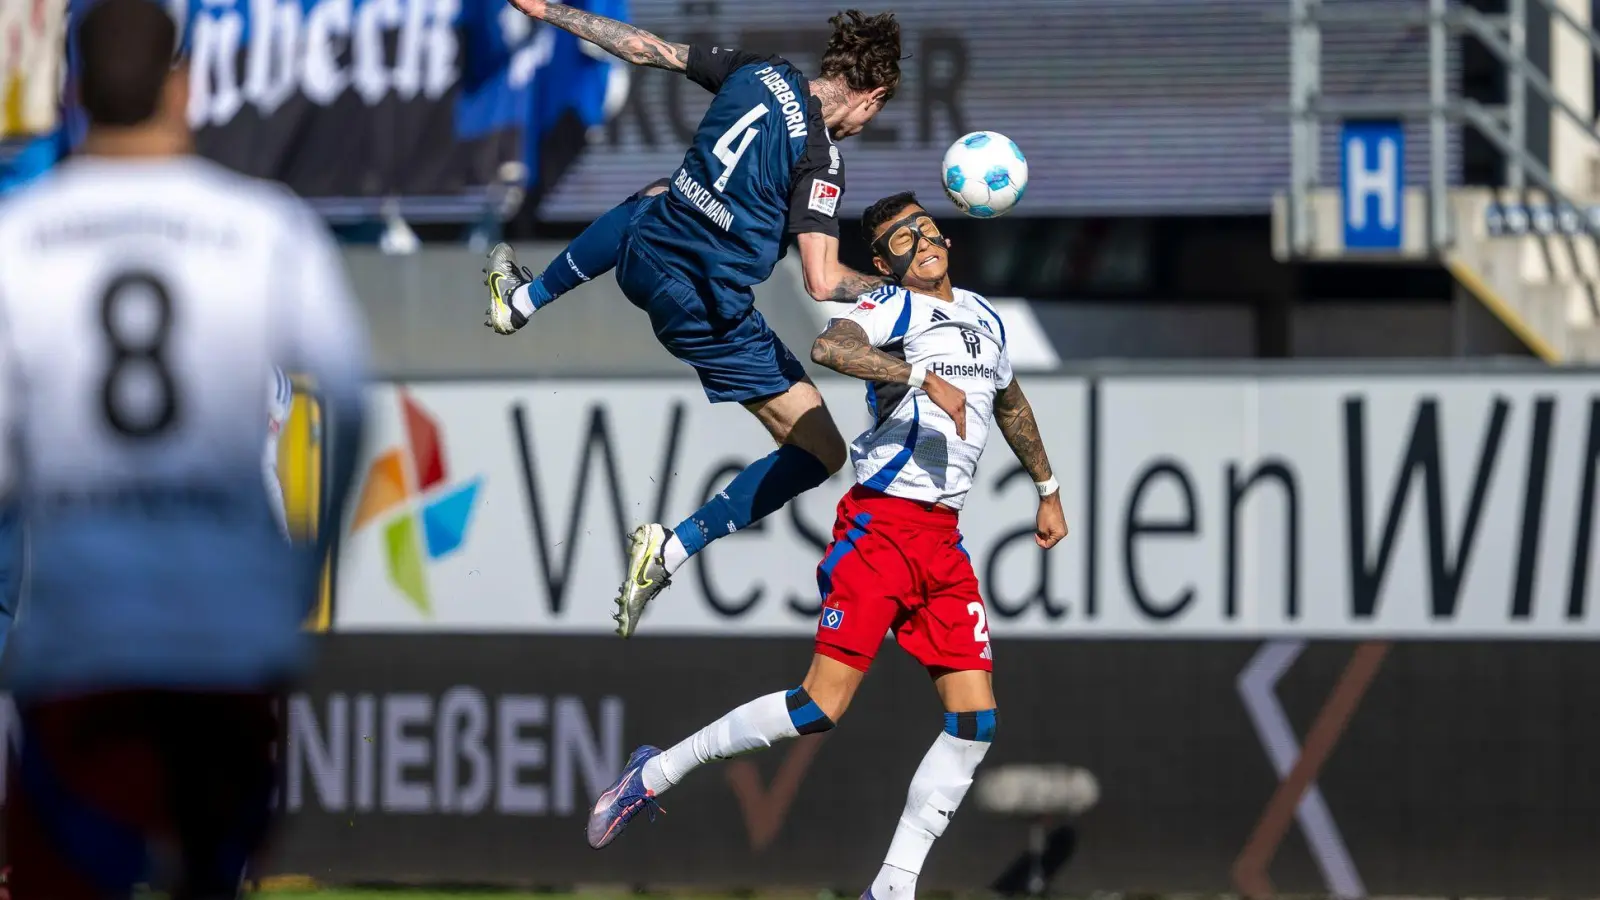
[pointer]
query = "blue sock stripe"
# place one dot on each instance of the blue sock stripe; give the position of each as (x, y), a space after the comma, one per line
(971, 726)
(805, 714)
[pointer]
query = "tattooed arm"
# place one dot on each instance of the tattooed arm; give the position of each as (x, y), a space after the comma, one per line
(849, 284)
(846, 349)
(1014, 416)
(827, 278)
(624, 41)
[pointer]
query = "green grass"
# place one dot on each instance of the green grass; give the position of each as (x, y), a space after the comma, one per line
(307, 892)
(336, 894)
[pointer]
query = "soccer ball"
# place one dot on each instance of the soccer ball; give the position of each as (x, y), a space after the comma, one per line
(985, 174)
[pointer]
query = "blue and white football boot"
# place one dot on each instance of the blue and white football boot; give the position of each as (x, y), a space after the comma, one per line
(626, 798)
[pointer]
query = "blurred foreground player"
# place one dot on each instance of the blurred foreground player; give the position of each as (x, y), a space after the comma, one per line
(280, 399)
(896, 562)
(145, 296)
(762, 166)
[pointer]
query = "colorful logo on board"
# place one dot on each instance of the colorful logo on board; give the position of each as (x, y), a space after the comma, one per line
(408, 494)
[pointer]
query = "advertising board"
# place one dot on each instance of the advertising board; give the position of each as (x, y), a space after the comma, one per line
(1200, 507)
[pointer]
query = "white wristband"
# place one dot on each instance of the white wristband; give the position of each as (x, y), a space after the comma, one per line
(1046, 488)
(919, 373)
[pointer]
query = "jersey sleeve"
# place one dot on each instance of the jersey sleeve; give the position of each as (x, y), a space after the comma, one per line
(879, 314)
(818, 187)
(709, 67)
(1003, 376)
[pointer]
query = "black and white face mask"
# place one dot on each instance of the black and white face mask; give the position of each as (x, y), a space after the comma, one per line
(898, 245)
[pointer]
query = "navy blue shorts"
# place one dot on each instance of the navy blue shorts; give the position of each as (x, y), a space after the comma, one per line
(737, 362)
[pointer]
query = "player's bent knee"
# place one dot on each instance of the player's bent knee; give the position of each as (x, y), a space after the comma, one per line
(806, 716)
(819, 436)
(832, 456)
(972, 726)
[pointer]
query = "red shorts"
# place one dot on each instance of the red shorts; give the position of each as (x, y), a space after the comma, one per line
(898, 565)
(98, 780)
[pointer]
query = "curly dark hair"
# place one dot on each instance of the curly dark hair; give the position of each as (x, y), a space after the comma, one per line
(864, 51)
(885, 211)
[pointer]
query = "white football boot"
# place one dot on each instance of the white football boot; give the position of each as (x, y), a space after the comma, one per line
(647, 576)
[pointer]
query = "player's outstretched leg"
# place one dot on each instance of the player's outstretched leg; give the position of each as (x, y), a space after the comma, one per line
(518, 294)
(810, 449)
(756, 725)
(939, 785)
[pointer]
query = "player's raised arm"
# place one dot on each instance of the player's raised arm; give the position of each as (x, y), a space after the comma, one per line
(826, 277)
(624, 41)
(1013, 415)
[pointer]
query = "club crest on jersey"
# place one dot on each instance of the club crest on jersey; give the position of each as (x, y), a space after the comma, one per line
(825, 197)
(866, 304)
(832, 618)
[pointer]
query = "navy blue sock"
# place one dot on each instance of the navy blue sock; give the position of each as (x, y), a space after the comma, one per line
(761, 489)
(590, 255)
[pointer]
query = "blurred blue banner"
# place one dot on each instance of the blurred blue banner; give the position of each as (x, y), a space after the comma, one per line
(446, 104)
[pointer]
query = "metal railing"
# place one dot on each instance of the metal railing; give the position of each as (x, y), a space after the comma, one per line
(1504, 127)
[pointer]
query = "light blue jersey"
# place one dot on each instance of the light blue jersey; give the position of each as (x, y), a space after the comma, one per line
(143, 306)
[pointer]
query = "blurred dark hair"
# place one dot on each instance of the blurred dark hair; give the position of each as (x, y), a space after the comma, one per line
(884, 211)
(864, 51)
(126, 50)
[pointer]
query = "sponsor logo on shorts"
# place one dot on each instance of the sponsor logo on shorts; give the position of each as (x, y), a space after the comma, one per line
(825, 197)
(988, 652)
(832, 618)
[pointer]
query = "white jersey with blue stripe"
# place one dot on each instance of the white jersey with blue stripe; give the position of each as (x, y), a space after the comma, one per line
(912, 449)
(144, 306)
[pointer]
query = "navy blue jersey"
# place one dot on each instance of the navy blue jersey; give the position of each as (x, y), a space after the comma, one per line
(761, 166)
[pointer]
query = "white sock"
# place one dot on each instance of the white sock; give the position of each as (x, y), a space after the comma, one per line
(519, 299)
(673, 553)
(936, 790)
(760, 723)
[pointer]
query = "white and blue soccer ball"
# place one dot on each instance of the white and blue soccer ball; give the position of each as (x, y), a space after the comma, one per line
(985, 174)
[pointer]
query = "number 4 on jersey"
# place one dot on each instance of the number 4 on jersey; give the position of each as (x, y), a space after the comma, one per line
(729, 155)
